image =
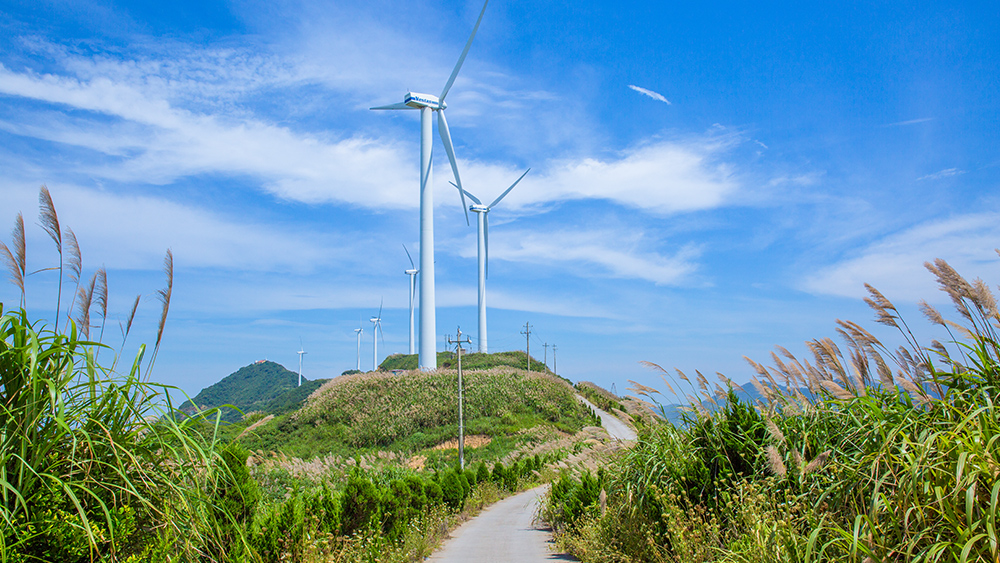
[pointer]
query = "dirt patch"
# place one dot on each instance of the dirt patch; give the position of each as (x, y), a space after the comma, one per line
(474, 441)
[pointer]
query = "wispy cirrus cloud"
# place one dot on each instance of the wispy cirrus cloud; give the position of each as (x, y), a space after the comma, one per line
(601, 252)
(909, 122)
(647, 92)
(152, 140)
(946, 173)
(894, 264)
(132, 232)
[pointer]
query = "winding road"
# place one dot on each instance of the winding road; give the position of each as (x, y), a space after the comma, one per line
(508, 532)
(504, 532)
(615, 427)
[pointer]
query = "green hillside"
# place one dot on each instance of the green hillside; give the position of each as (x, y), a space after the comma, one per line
(261, 386)
(470, 360)
(412, 410)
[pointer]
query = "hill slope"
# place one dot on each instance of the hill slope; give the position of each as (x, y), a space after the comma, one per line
(261, 386)
(414, 410)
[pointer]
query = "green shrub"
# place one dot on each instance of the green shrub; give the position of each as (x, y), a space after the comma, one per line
(453, 489)
(235, 496)
(359, 505)
(482, 473)
(498, 474)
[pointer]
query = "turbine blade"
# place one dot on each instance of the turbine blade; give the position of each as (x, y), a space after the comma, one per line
(379, 311)
(412, 266)
(497, 200)
(400, 105)
(468, 193)
(486, 242)
(446, 138)
(461, 59)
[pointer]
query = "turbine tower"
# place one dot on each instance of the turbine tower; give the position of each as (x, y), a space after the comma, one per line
(359, 332)
(412, 272)
(428, 105)
(302, 352)
(483, 221)
(376, 330)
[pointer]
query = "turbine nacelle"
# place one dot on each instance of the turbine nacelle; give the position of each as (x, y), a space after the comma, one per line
(417, 100)
(478, 208)
(411, 272)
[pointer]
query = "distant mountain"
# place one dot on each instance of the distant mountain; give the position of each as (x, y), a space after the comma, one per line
(746, 393)
(261, 386)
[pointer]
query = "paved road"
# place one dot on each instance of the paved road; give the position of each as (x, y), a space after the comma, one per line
(503, 533)
(615, 427)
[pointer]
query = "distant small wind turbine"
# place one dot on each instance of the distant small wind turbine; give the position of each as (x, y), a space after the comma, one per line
(302, 352)
(484, 250)
(359, 332)
(412, 272)
(376, 331)
(428, 105)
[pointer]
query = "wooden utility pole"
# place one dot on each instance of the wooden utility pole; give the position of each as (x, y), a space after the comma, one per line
(546, 361)
(554, 370)
(461, 423)
(527, 343)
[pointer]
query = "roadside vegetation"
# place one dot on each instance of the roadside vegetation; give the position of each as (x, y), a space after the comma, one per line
(97, 464)
(863, 453)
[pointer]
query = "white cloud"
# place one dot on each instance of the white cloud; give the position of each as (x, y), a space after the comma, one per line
(133, 232)
(894, 265)
(158, 143)
(663, 177)
(646, 92)
(946, 173)
(909, 122)
(614, 253)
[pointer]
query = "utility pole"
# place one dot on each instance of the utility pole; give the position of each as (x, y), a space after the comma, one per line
(461, 425)
(554, 370)
(546, 361)
(527, 345)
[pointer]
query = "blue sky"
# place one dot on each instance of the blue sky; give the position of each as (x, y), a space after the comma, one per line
(708, 180)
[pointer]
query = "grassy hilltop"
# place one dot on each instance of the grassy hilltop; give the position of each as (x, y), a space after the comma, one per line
(413, 410)
(470, 361)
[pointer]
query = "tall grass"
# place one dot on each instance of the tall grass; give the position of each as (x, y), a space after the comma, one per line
(864, 453)
(93, 464)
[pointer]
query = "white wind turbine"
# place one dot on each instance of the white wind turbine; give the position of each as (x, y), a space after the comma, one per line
(376, 331)
(412, 272)
(359, 331)
(428, 105)
(484, 251)
(302, 352)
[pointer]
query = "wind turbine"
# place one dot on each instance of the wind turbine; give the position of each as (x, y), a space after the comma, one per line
(359, 332)
(484, 250)
(376, 330)
(302, 352)
(412, 272)
(428, 105)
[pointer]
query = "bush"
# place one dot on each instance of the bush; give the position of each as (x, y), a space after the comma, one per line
(482, 473)
(359, 505)
(235, 496)
(453, 489)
